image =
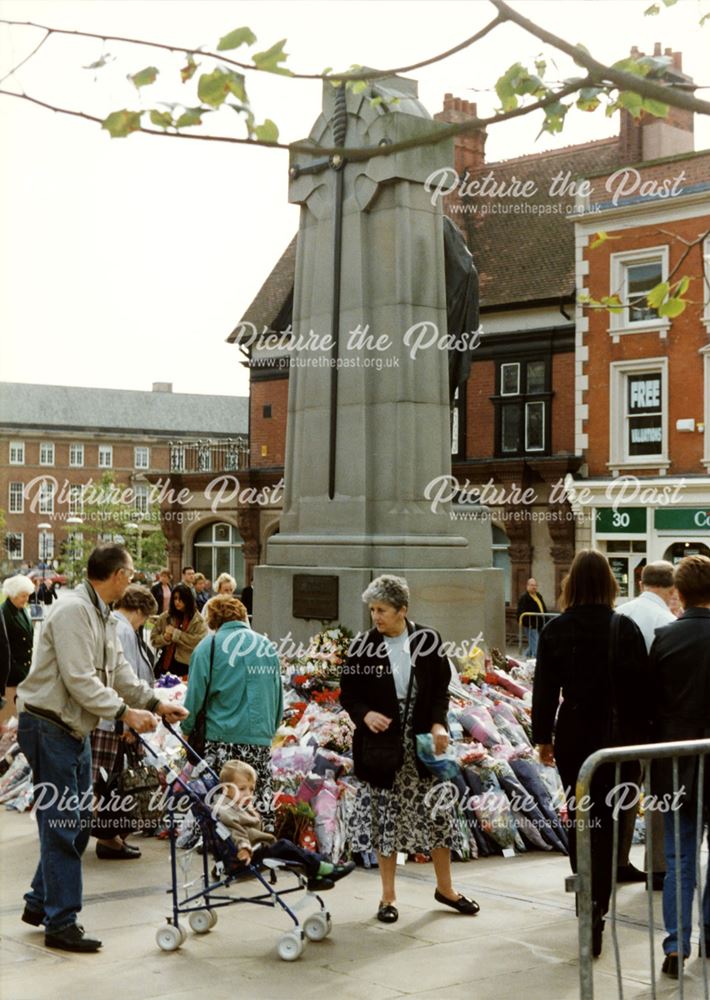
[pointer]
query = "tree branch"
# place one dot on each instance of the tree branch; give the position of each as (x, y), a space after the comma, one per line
(364, 75)
(598, 71)
(27, 58)
(352, 154)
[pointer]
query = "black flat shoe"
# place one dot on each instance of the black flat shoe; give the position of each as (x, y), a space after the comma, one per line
(671, 966)
(71, 938)
(628, 873)
(33, 917)
(125, 853)
(320, 884)
(463, 904)
(387, 913)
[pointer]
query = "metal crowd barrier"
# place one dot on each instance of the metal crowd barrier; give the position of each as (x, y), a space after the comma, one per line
(581, 883)
(542, 620)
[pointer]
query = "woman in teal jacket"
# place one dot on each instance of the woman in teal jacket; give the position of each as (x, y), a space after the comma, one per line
(235, 674)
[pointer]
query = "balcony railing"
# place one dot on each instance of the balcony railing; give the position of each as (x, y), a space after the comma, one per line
(228, 455)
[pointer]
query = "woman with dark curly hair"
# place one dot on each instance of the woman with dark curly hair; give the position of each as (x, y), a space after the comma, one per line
(177, 632)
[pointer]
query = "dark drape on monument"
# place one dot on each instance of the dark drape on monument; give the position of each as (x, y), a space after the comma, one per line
(462, 304)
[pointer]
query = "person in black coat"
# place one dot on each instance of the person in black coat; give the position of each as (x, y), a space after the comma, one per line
(680, 680)
(19, 632)
(573, 659)
(394, 685)
(161, 591)
(531, 603)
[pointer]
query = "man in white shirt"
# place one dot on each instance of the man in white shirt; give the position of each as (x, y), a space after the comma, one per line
(650, 610)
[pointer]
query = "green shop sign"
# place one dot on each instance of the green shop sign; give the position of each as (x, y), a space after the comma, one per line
(682, 519)
(622, 521)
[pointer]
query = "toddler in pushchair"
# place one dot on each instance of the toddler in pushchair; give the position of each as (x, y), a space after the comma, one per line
(232, 835)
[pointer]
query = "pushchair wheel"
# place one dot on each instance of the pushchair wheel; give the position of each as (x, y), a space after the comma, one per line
(290, 947)
(169, 938)
(202, 921)
(317, 926)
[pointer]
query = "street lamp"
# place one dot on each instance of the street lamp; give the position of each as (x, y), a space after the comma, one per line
(42, 528)
(73, 553)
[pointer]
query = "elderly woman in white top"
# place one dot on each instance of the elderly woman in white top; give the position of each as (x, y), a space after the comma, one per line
(224, 586)
(131, 613)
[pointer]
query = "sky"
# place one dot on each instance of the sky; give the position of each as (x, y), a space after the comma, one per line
(129, 261)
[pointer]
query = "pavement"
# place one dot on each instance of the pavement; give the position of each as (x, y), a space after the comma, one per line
(522, 945)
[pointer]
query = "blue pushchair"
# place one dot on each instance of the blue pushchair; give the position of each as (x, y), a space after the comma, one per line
(200, 897)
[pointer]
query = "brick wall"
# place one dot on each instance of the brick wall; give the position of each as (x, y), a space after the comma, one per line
(268, 434)
(563, 403)
(480, 412)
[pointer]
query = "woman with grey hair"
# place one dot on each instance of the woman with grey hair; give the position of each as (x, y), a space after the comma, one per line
(394, 685)
(18, 629)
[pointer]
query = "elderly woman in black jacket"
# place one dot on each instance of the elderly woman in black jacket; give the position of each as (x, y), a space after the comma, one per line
(19, 632)
(394, 685)
(577, 658)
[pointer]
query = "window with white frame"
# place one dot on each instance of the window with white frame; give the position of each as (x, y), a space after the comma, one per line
(633, 275)
(17, 453)
(639, 412)
(76, 455)
(76, 499)
(46, 497)
(105, 456)
(15, 544)
(16, 503)
(46, 453)
(177, 458)
(141, 458)
(141, 498)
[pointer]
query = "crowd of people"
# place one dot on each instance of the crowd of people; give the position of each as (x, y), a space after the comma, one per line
(603, 678)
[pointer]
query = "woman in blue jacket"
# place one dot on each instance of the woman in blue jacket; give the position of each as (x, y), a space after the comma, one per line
(235, 674)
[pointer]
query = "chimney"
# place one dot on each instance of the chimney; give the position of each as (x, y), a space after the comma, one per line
(469, 149)
(162, 386)
(652, 138)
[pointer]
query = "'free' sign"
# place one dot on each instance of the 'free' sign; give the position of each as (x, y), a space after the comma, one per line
(644, 393)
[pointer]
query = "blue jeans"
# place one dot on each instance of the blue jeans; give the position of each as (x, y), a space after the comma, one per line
(688, 845)
(61, 772)
(532, 635)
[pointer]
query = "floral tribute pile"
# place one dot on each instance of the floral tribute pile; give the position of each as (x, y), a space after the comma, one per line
(505, 799)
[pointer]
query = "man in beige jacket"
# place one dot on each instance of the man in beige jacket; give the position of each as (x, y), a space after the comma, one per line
(78, 676)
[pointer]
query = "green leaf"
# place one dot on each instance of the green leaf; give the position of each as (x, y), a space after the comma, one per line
(682, 286)
(632, 102)
(654, 107)
(374, 101)
(144, 77)
(672, 308)
(582, 48)
(119, 124)
(657, 294)
(188, 71)
(99, 62)
(327, 71)
(554, 118)
(588, 99)
(269, 60)
(161, 118)
(240, 36)
(670, 3)
(191, 116)
(599, 238)
(267, 132)
(214, 87)
(613, 303)
(652, 10)
(704, 18)
(358, 86)
(540, 66)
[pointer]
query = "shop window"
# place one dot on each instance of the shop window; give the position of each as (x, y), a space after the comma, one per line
(639, 413)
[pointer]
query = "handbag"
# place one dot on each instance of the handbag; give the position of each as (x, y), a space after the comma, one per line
(383, 753)
(198, 734)
(139, 784)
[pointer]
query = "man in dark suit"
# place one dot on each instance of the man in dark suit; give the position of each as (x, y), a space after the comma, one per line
(680, 675)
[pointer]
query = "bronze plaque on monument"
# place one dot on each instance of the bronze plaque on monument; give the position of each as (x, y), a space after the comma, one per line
(315, 597)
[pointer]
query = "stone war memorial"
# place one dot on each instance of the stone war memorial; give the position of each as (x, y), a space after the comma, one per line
(369, 407)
